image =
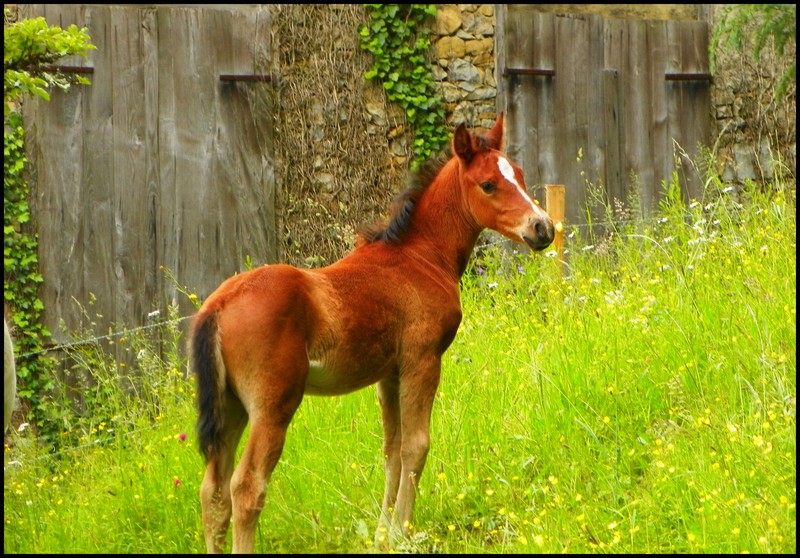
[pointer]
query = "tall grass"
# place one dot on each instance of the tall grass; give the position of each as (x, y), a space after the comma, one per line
(645, 402)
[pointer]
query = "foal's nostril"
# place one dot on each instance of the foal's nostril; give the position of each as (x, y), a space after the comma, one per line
(544, 231)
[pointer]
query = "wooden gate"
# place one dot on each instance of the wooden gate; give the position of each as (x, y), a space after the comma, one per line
(620, 104)
(165, 160)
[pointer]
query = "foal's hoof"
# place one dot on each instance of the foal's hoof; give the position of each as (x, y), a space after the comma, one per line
(383, 540)
(388, 538)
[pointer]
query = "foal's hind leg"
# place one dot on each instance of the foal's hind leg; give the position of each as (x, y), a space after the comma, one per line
(215, 491)
(269, 421)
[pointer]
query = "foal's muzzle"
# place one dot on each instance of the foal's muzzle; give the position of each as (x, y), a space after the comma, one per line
(540, 234)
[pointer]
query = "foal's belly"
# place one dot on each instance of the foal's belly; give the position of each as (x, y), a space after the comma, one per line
(329, 379)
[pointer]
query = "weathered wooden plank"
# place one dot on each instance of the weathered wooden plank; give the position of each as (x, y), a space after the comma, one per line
(615, 43)
(636, 72)
(689, 101)
(148, 21)
(133, 256)
(588, 161)
(530, 123)
(97, 181)
(250, 143)
(594, 81)
(514, 96)
(541, 102)
(613, 138)
(570, 138)
(542, 158)
(661, 152)
(55, 202)
(60, 145)
(205, 215)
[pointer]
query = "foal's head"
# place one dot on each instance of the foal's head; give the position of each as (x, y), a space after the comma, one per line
(495, 189)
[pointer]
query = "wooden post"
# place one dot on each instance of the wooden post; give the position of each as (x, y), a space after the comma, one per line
(554, 204)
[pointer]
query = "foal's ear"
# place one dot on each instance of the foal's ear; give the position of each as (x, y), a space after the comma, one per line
(462, 144)
(495, 135)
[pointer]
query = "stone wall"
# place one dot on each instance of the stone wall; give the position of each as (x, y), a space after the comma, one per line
(756, 133)
(464, 62)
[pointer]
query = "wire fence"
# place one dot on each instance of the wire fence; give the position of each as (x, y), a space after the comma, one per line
(66, 450)
(93, 340)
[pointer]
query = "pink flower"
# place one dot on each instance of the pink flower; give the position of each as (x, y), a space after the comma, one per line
(177, 482)
(182, 436)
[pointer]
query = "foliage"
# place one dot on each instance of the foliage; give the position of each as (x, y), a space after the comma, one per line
(641, 404)
(754, 25)
(21, 277)
(397, 38)
(29, 47)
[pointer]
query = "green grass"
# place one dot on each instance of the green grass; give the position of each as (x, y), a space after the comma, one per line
(646, 403)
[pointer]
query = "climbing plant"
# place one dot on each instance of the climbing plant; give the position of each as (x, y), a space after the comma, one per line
(751, 27)
(398, 39)
(21, 277)
(30, 47)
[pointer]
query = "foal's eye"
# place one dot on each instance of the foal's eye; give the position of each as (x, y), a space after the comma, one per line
(488, 187)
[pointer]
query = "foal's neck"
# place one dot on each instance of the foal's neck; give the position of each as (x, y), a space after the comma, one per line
(443, 232)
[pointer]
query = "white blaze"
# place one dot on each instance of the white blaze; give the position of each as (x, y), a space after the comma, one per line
(508, 173)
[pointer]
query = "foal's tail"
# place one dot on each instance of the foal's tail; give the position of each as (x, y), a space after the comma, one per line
(206, 361)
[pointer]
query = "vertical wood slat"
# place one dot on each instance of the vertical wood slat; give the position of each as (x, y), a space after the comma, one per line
(661, 148)
(55, 208)
(594, 152)
(133, 279)
(689, 101)
(615, 45)
(154, 195)
(537, 38)
(613, 136)
(637, 105)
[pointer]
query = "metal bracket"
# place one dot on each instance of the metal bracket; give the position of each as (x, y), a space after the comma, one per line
(253, 77)
(528, 72)
(68, 69)
(688, 77)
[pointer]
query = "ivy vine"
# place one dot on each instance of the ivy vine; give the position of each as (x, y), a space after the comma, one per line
(21, 278)
(753, 26)
(30, 47)
(398, 39)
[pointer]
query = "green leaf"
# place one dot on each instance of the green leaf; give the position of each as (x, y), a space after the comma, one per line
(400, 54)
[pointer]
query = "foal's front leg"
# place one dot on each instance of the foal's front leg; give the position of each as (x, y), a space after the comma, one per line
(410, 402)
(417, 391)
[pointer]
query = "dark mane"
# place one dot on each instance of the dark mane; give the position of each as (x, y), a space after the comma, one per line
(402, 209)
